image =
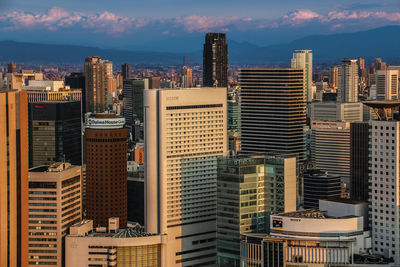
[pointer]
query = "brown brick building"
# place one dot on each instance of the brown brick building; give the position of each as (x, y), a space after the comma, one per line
(106, 169)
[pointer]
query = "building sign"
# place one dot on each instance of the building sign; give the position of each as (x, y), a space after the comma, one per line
(277, 223)
(105, 123)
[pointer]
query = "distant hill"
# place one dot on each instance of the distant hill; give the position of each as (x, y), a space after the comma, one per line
(381, 42)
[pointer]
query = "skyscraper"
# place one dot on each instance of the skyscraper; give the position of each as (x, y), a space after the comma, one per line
(215, 60)
(51, 216)
(106, 169)
(245, 199)
(330, 148)
(185, 132)
(333, 76)
(13, 179)
(125, 71)
(187, 80)
(55, 132)
(303, 59)
(348, 81)
(379, 64)
(384, 186)
(76, 81)
(273, 111)
(387, 84)
(98, 83)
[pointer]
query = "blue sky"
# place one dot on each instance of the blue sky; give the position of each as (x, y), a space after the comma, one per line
(181, 24)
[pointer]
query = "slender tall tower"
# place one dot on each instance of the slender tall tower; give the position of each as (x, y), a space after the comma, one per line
(273, 111)
(303, 59)
(348, 81)
(98, 83)
(106, 169)
(13, 179)
(185, 132)
(125, 71)
(187, 81)
(333, 76)
(215, 60)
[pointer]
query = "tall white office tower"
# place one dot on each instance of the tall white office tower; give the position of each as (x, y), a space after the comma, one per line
(348, 81)
(185, 132)
(384, 180)
(387, 84)
(303, 59)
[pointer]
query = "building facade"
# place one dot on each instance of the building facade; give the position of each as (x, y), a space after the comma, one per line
(98, 83)
(319, 185)
(215, 60)
(273, 111)
(348, 81)
(330, 148)
(303, 59)
(13, 179)
(111, 246)
(387, 84)
(249, 190)
(54, 205)
(55, 132)
(333, 111)
(384, 192)
(106, 169)
(359, 139)
(185, 133)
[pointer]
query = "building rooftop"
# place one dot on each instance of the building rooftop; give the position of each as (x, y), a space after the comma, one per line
(312, 214)
(382, 104)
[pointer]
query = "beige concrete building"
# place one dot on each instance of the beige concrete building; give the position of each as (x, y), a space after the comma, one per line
(54, 205)
(348, 81)
(303, 59)
(63, 95)
(334, 111)
(13, 179)
(131, 247)
(387, 84)
(16, 81)
(185, 133)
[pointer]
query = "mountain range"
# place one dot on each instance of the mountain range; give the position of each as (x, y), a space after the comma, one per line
(380, 42)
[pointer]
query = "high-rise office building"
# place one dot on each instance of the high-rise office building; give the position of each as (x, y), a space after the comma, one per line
(185, 132)
(106, 169)
(303, 59)
(13, 179)
(133, 91)
(348, 81)
(330, 148)
(334, 76)
(359, 132)
(319, 184)
(11, 67)
(233, 114)
(187, 79)
(55, 132)
(249, 190)
(98, 83)
(387, 84)
(126, 71)
(154, 82)
(76, 81)
(215, 60)
(273, 111)
(54, 205)
(385, 187)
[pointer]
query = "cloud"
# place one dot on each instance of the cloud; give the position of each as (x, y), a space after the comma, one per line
(112, 24)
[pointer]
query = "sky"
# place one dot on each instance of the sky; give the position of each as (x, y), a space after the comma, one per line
(172, 25)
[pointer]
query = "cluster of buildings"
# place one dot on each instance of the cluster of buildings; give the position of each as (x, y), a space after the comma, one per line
(279, 171)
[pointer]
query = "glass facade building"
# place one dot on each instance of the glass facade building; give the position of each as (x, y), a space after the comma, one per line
(249, 189)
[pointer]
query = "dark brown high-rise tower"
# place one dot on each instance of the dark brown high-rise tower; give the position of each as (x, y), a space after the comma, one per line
(215, 60)
(106, 169)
